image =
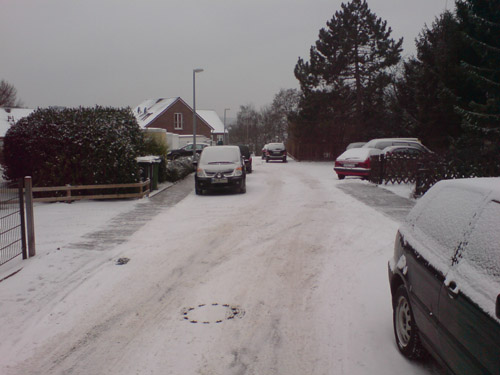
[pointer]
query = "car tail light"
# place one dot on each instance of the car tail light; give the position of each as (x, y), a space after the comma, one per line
(338, 164)
(365, 164)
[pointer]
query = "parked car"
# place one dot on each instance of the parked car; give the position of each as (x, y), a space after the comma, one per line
(381, 143)
(404, 150)
(276, 151)
(220, 167)
(355, 145)
(264, 151)
(247, 157)
(187, 150)
(355, 162)
(445, 277)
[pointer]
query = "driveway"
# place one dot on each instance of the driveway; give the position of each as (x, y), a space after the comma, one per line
(289, 278)
(381, 199)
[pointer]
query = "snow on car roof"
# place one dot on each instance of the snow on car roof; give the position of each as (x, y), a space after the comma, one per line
(359, 153)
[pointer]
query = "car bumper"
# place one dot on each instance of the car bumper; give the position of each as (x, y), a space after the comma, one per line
(277, 157)
(208, 183)
(352, 171)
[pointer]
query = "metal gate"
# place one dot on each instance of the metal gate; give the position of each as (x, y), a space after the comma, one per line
(12, 225)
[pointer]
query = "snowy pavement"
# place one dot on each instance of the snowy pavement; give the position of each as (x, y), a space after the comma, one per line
(289, 278)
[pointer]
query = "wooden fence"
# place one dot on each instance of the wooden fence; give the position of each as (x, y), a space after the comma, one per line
(68, 192)
(321, 151)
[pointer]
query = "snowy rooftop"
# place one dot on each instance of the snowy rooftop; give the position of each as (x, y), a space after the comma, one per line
(150, 109)
(9, 116)
(213, 119)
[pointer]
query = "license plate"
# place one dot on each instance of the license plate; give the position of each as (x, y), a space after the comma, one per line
(349, 165)
(219, 180)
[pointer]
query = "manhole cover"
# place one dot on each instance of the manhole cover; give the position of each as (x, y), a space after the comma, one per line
(213, 313)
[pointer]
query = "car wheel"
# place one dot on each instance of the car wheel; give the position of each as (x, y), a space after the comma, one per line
(198, 190)
(284, 160)
(243, 187)
(267, 160)
(341, 176)
(405, 328)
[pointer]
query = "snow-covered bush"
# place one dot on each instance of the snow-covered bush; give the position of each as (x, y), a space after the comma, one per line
(77, 146)
(178, 169)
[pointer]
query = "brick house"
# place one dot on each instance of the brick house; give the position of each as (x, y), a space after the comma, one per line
(172, 114)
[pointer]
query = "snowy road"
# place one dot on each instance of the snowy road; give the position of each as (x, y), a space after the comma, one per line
(289, 278)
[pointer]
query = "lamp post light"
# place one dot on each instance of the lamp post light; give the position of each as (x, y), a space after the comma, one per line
(194, 110)
(225, 109)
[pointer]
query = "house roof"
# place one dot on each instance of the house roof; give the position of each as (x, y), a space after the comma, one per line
(213, 119)
(9, 116)
(150, 109)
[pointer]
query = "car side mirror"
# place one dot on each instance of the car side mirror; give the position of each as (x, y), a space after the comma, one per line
(497, 309)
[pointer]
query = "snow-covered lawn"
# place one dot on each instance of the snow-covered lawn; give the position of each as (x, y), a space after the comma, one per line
(289, 278)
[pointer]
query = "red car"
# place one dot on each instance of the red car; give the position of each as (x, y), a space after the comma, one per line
(355, 162)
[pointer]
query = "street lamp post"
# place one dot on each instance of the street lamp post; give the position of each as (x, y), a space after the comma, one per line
(225, 109)
(194, 110)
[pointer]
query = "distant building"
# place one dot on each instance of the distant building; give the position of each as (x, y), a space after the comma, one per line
(176, 116)
(8, 117)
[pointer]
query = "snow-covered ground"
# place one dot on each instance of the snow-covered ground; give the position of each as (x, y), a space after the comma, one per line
(289, 278)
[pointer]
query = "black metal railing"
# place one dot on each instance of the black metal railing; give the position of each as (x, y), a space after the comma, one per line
(425, 170)
(12, 223)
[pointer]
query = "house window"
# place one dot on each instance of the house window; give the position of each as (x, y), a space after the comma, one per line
(178, 121)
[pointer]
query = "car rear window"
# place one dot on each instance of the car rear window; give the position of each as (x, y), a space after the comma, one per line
(442, 220)
(276, 146)
(220, 154)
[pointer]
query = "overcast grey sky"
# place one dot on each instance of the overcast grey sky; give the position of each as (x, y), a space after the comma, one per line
(120, 52)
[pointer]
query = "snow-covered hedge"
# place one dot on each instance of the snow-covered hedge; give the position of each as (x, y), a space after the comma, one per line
(79, 146)
(178, 169)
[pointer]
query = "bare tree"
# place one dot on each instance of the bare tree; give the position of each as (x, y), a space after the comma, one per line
(8, 95)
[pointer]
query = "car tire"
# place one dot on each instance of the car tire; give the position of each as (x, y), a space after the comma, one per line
(341, 176)
(405, 329)
(198, 190)
(243, 188)
(284, 160)
(267, 160)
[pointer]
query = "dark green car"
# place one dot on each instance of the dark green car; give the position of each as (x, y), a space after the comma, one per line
(445, 277)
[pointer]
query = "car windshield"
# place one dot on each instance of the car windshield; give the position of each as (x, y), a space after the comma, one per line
(220, 154)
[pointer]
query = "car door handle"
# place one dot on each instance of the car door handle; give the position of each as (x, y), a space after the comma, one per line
(452, 289)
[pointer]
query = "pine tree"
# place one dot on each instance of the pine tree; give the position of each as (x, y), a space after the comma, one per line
(479, 107)
(430, 85)
(350, 62)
